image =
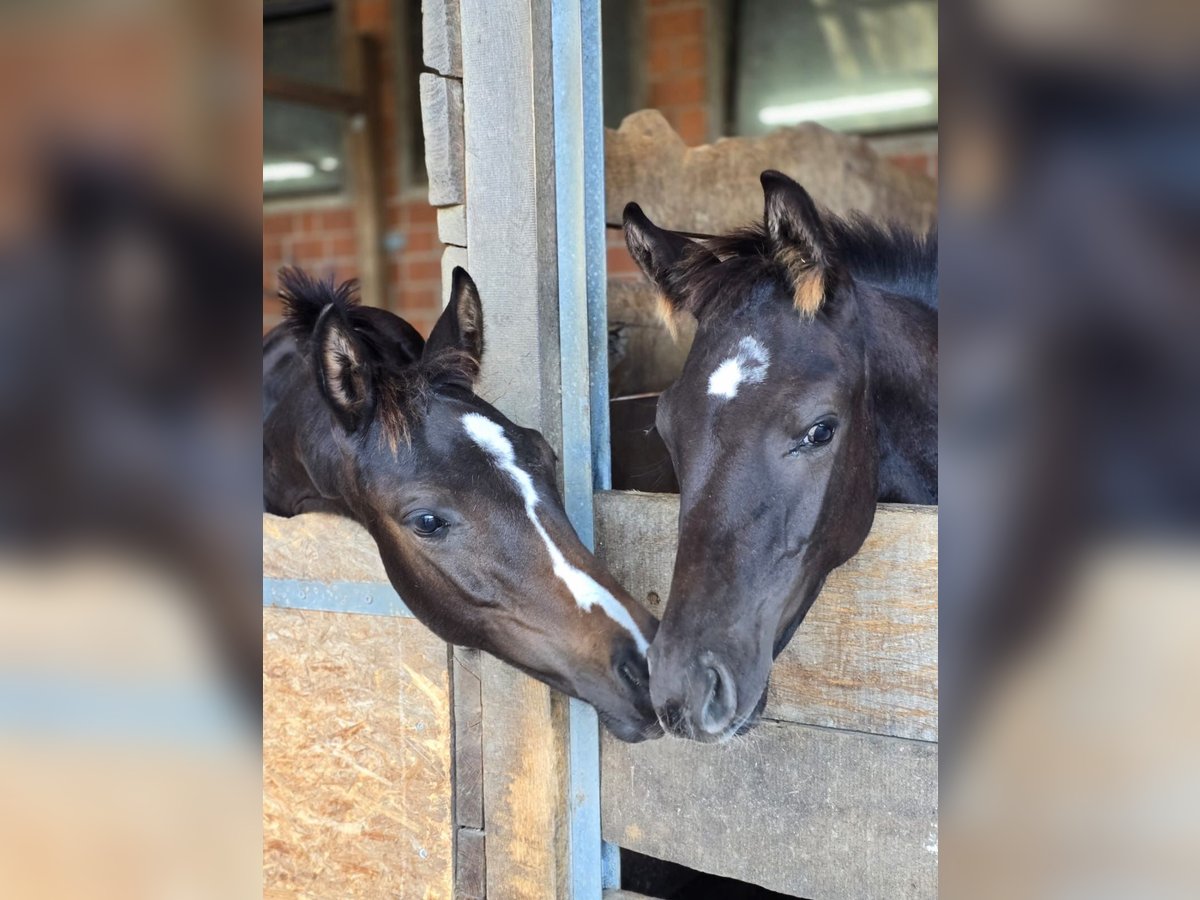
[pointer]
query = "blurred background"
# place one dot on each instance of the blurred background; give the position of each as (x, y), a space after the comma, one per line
(130, 590)
(1070, 450)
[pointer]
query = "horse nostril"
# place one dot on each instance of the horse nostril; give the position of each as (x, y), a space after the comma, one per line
(671, 718)
(720, 701)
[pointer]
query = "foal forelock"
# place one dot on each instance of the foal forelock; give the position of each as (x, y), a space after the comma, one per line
(489, 435)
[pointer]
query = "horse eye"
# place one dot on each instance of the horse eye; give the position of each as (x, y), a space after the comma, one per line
(629, 673)
(821, 433)
(426, 524)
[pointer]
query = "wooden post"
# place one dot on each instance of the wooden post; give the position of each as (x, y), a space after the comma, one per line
(364, 152)
(541, 812)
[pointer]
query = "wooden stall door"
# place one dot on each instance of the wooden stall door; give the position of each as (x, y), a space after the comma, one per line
(357, 724)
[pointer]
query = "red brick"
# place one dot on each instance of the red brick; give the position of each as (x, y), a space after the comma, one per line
(308, 250)
(343, 246)
(620, 262)
(679, 91)
(278, 224)
(421, 212)
(337, 220)
(691, 55)
(666, 24)
(419, 269)
(692, 125)
(421, 239)
(663, 58)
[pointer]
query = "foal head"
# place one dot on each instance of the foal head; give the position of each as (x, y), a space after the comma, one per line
(462, 502)
(771, 434)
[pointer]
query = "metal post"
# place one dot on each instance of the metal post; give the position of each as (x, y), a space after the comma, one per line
(579, 199)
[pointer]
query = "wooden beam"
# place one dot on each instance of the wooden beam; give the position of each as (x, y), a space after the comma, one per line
(809, 812)
(364, 145)
(321, 96)
(866, 656)
(508, 112)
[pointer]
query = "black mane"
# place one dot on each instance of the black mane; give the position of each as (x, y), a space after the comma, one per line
(405, 377)
(890, 257)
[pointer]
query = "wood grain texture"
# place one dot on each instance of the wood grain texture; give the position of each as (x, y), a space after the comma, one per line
(510, 211)
(361, 57)
(468, 739)
(356, 757)
(470, 870)
(508, 109)
(810, 812)
(319, 547)
(525, 785)
(442, 121)
(865, 658)
(441, 36)
(452, 225)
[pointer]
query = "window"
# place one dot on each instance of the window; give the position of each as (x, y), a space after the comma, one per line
(303, 147)
(409, 67)
(852, 65)
(622, 47)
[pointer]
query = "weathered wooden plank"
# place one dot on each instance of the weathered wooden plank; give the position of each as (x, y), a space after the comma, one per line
(510, 213)
(442, 120)
(865, 658)
(507, 96)
(452, 225)
(356, 757)
(441, 36)
(470, 874)
(811, 812)
(525, 785)
(362, 66)
(468, 739)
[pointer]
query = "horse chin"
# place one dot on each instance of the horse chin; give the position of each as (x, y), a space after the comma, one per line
(630, 731)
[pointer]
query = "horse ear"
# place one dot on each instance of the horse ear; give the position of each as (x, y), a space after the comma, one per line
(658, 252)
(799, 237)
(460, 329)
(344, 368)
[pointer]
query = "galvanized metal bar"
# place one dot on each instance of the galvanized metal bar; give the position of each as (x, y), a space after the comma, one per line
(610, 866)
(596, 253)
(363, 598)
(595, 240)
(575, 349)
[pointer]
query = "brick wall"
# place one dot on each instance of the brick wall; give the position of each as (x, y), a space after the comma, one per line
(321, 239)
(676, 56)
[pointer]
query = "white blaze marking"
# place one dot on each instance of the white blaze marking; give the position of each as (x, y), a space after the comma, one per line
(747, 366)
(586, 591)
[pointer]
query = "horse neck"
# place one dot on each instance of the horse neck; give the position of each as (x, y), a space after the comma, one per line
(901, 339)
